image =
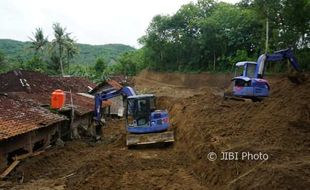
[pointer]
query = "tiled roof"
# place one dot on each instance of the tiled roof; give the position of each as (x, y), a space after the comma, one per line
(82, 105)
(19, 116)
(39, 82)
(42, 86)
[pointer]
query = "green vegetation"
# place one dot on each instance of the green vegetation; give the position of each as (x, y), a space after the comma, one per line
(211, 36)
(88, 54)
(3, 62)
(15, 54)
(203, 36)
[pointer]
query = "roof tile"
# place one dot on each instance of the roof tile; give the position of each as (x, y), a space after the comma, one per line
(18, 116)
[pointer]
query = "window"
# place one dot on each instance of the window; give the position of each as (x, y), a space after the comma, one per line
(142, 105)
(238, 71)
(251, 70)
(152, 104)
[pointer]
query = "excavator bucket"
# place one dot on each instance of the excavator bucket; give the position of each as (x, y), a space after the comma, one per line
(149, 138)
(297, 78)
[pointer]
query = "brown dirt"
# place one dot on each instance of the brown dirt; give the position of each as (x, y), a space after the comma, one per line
(181, 85)
(203, 122)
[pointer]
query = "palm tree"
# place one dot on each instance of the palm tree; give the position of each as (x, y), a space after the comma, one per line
(70, 48)
(38, 42)
(59, 43)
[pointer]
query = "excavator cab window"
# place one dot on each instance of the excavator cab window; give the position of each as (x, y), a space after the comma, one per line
(142, 106)
(140, 109)
(250, 70)
(152, 104)
(238, 71)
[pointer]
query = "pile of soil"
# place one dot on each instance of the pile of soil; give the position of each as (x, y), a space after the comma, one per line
(180, 84)
(105, 165)
(203, 122)
(278, 126)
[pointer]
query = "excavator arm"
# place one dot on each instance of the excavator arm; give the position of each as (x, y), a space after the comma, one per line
(108, 94)
(285, 54)
(276, 56)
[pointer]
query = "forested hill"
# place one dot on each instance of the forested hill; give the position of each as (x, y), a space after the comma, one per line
(88, 54)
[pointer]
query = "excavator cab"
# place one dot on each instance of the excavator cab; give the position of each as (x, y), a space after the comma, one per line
(140, 108)
(246, 85)
(251, 83)
(145, 124)
(245, 69)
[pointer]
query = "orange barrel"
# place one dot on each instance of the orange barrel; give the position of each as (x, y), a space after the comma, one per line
(58, 99)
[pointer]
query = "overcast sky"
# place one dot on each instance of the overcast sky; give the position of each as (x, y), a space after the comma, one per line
(91, 21)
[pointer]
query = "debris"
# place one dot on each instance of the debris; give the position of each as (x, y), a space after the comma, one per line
(9, 169)
(69, 175)
(60, 143)
(246, 173)
(24, 156)
(86, 95)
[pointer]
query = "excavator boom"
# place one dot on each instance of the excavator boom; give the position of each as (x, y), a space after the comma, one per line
(276, 56)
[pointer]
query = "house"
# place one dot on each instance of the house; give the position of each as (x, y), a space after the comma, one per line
(26, 121)
(38, 87)
(26, 127)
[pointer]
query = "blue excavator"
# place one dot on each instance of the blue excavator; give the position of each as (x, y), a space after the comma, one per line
(144, 123)
(251, 83)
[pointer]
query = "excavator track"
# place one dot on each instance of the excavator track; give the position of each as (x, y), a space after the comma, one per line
(149, 138)
(228, 96)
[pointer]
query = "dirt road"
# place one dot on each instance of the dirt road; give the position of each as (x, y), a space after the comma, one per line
(203, 122)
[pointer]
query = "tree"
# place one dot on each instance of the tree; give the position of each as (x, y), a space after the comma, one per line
(289, 22)
(39, 41)
(228, 29)
(201, 36)
(63, 46)
(3, 62)
(38, 44)
(100, 65)
(71, 48)
(35, 64)
(59, 43)
(99, 70)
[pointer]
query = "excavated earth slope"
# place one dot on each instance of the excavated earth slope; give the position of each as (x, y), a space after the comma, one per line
(203, 122)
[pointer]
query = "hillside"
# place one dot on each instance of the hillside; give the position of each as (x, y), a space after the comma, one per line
(88, 53)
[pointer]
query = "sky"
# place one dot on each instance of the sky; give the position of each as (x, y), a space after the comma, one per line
(91, 22)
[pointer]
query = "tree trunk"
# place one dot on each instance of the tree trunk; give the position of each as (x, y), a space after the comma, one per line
(68, 61)
(214, 61)
(161, 60)
(60, 61)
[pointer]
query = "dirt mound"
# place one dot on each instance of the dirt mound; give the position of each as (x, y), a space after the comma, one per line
(279, 126)
(185, 80)
(180, 84)
(106, 165)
